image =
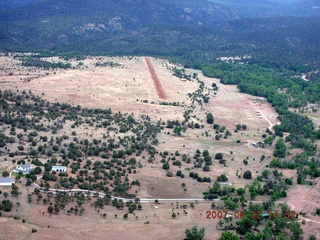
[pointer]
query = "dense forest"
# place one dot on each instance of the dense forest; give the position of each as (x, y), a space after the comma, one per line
(189, 31)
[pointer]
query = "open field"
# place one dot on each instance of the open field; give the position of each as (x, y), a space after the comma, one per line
(154, 221)
(128, 87)
(120, 87)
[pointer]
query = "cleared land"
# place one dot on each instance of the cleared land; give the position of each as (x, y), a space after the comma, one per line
(126, 87)
(156, 80)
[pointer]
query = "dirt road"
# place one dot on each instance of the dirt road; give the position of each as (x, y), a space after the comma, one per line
(264, 117)
(160, 90)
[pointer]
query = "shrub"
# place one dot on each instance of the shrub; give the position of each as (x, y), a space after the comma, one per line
(206, 168)
(210, 118)
(169, 174)
(247, 174)
(222, 178)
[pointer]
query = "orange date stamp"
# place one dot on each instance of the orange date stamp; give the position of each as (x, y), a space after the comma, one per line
(224, 214)
(260, 215)
(213, 214)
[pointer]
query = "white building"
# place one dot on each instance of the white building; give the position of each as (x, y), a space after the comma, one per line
(24, 168)
(6, 181)
(59, 168)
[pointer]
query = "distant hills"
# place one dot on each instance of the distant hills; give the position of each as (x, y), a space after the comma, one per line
(271, 8)
(5, 4)
(164, 27)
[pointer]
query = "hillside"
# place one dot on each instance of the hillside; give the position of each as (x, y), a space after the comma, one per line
(271, 8)
(165, 28)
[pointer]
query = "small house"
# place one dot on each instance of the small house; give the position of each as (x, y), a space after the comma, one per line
(59, 168)
(24, 168)
(6, 181)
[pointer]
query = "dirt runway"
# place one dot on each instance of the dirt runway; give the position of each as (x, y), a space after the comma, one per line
(162, 94)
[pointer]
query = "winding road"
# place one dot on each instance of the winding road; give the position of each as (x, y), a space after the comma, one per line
(264, 117)
(152, 200)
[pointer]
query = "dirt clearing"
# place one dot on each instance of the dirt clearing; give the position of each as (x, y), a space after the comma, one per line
(155, 79)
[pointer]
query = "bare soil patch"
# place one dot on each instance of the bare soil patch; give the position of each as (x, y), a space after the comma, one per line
(126, 88)
(155, 79)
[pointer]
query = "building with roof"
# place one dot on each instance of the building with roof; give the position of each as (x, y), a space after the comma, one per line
(6, 181)
(59, 168)
(24, 168)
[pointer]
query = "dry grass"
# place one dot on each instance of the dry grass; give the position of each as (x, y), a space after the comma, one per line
(119, 89)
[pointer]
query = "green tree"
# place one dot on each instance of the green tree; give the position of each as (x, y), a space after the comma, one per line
(166, 166)
(169, 174)
(280, 149)
(280, 223)
(6, 205)
(222, 178)
(50, 209)
(5, 174)
(229, 236)
(210, 118)
(269, 140)
(247, 174)
(206, 168)
(288, 181)
(218, 156)
(295, 229)
(229, 204)
(195, 234)
(177, 130)
(241, 191)
(14, 190)
(312, 237)
(57, 209)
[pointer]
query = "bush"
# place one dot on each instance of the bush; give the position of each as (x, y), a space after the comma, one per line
(169, 174)
(222, 161)
(247, 174)
(210, 118)
(222, 178)
(206, 168)
(166, 166)
(6, 205)
(288, 181)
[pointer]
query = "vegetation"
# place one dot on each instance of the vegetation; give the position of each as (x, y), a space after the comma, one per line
(195, 234)
(102, 167)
